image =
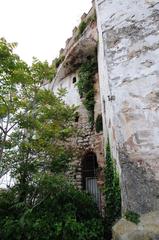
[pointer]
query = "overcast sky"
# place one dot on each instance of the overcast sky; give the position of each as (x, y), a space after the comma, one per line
(40, 27)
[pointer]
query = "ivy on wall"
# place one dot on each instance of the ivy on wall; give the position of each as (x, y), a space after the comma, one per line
(112, 194)
(132, 216)
(86, 86)
(59, 60)
(84, 23)
(82, 26)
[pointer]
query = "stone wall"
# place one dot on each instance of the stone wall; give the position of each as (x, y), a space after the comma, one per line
(128, 59)
(87, 139)
(77, 51)
(72, 96)
(146, 229)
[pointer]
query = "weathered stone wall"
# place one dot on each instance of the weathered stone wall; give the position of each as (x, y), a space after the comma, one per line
(98, 137)
(146, 229)
(72, 96)
(129, 83)
(86, 140)
(77, 51)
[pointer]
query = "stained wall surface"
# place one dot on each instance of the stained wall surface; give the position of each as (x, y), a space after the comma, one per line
(72, 96)
(128, 60)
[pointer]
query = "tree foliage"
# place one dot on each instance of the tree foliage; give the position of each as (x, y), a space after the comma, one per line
(54, 210)
(42, 70)
(31, 119)
(35, 131)
(14, 76)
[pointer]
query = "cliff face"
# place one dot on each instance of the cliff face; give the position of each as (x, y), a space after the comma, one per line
(128, 62)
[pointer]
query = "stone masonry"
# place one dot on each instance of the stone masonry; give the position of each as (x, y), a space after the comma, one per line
(76, 52)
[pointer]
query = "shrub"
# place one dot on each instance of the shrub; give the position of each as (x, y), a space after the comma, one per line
(82, 27)
(54, 210)
(132, 217)
(59, 60)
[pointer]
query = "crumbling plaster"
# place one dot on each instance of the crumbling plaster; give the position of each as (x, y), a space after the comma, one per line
(128, 60)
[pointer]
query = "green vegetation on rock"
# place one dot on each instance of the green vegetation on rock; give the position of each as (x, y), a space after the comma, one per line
(82, 27)
(112, 194)
(84, 23)
(132, 216)
(59, 60)
(86, 86)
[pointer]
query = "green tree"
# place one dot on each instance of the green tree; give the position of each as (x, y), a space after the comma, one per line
(13, 74)
(20, 98)
(34, 123)
(42, 71)
(36, 147)
(54, 210)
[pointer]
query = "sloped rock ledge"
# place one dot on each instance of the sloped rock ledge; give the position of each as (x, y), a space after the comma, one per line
(147, 229)
(84, 47)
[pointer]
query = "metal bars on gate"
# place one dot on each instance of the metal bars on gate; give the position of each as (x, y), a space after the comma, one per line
(93, 189)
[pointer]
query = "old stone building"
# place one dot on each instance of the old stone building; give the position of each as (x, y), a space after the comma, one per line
(128, 60)
(126, 36)
(87, 168)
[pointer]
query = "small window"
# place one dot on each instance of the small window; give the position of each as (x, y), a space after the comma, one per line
(76, 117)
(74, 79)
(89, 57)
(99, 123)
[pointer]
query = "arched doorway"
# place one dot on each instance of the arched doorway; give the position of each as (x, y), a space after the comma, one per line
(89, 176)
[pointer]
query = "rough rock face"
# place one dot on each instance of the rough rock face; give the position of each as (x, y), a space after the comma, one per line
(147, 229)
(129, 82)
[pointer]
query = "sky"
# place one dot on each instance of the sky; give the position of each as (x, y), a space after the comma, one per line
(40, 27)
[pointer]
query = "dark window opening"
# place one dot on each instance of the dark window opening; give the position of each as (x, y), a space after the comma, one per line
(74, 79)
(76, 117)
(89, 57)
(99, 123)
(89, 176)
